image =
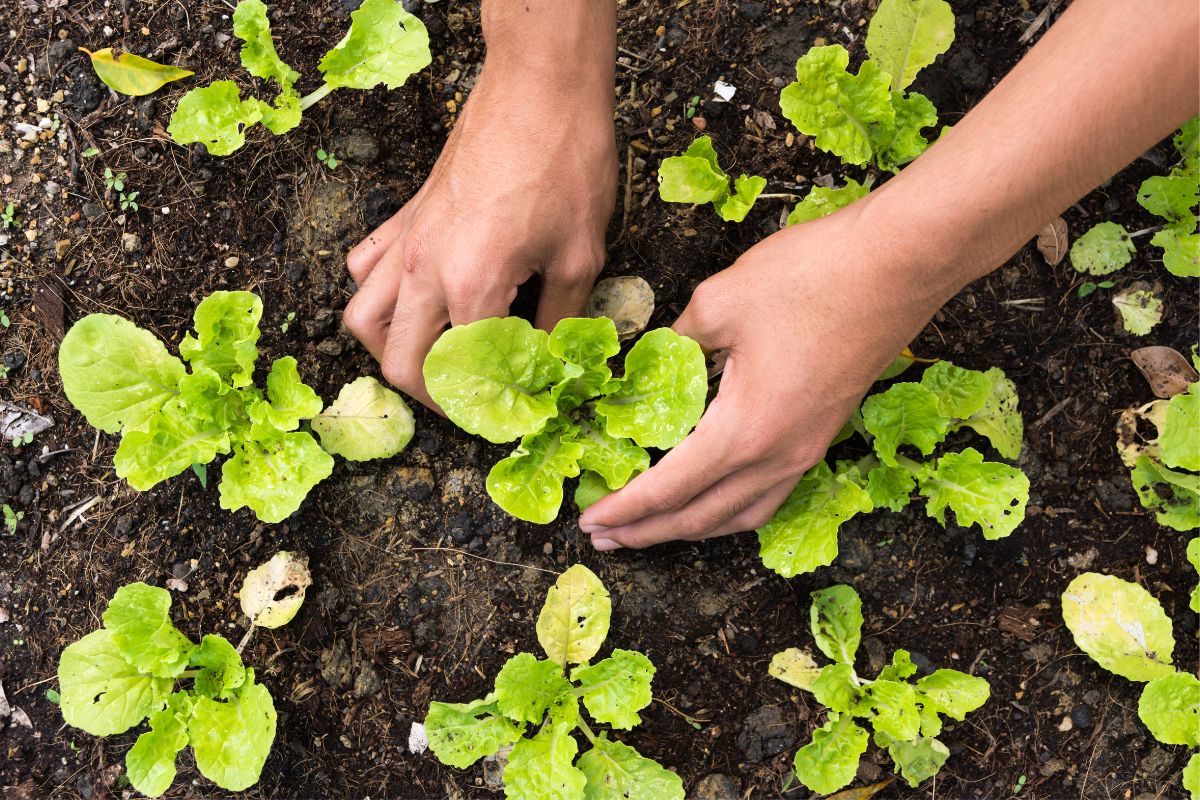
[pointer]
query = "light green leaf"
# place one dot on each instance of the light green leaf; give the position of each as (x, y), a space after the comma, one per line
(999, 419)
(890, 487)
(615, 689)
(1179, 440)
(821, 202)
(221, 669)
(587, 344)
(694, 177)
(574, 621)
(1181, 249)
(1193, 557)
(216, 116)
(802, 535)
(830, 760)
(1171, 197)
(101, 692)
(616, 460)
(1170, 709)
(529, 483)
(902, 667)
(592, 487)
(289, 399)
(1120, 625)
(1104, 249)
(115, 373)
(905, 36)
(795, 667)
(259, 57)
(661, 396)
(385, 44)
(615, 771)
(953, 693)
(367, 421)
(960, 392)
(920, 759)
(1140, 309)
(989, 493)
(901, 142)
(226, 339)
(274, 477)
(541, 768)
(526, 687)
(139, 617)
(1191, 776)
(895, 707)
(171, 442)
(835, 688)
(150, 763)
(746, 189)
(132, 75)
(835, 107)
(207, 398)
(836, 620)
(1187, 141)
(273, 592)
(232, 739)
(907, 413)
(1174, 495)
(491, 377)
(462, 733)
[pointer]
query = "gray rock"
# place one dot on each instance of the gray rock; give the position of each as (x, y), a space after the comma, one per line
(1157, 763)
(717, 787)
(764, 733)
(360, 146)
(91, 210)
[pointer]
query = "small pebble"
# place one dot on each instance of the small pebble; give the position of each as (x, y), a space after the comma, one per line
(1065, 725)
(1151, 555)
(1082, 716)
(232, 261)
(699, 123)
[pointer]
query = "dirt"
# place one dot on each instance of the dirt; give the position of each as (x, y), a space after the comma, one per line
(422, 588)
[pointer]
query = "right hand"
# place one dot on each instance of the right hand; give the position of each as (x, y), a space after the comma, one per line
(525, 184)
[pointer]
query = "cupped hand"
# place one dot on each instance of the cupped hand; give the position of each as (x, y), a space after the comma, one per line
(525, 184)
(809, 318)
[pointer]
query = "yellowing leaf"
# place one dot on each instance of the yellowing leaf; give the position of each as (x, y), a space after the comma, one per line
(795, 667)
(132, 75)
(260, 592)
(574, 622)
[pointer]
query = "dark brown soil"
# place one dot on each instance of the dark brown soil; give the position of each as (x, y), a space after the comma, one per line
(422, 587)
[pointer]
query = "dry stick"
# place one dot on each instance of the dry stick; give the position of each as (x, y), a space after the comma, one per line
(246, 639)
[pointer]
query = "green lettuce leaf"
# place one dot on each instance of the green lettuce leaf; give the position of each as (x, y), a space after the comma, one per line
(919, 759)
(895, 708)
(150, 763)
(694, 177)
(367, 421)
(232, 739)
(226, 339)
(221, 669)
(989, 493)
(821, 202)
(615, 689)
(587, 344)
(1187, 140)
(541, 768)
(1103, 249)
(953, 693)
(802, 535)
(1174, 495)
(901, 668)
(1179, 439)
(259, 57)
(835, 688)
(1120, 625)
(491, 377)
(905, 36)
(289, 399)
(592, 487)
(1181, 249)
(274, 477)
(171, 442)
(615, 771)
(830, 760)
(615, 460)
(216, 116)
(746, 189)
(661, 396)
(529, 483)
(901, 142)
(836, 620)
(1171, 197)
(385, 44)
(115, 373)
(1193, 557)
(139, 617)
(101, 692)
(1191, 776)
(208, 399)
(960, 392)
(462, 733)
(890, 487)
(795, 667)
(999, 419)
(1170, 709)
(527, 687)
(907, 413)
(574, 621)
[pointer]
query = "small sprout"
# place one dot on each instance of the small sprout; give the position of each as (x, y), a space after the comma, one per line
(22, 439)
(328, 159)
(129, 201)
(4, 320)
(287, 322)
(1087, 287)
(9, 218)
(201, 471)
(114, 181)
(53, 696)
(91, 152)
(693, 106)
(1019, 785)
(273, 592)
(11, 518)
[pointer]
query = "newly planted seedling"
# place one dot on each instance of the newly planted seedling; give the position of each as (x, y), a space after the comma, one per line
(384, 45)
(902, 713)
(124, 381)
(821, 201)
(1125, 630)
(696, 177)
(502, 379)
(114, 181)
(328, 159)
(535, 707)
(8, 218)
(918, 417)
(128, 201)
(12, 518)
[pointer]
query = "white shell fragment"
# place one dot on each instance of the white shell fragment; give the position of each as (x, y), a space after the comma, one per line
(724, 91)
(418, 740)
(273, 592)
(627, 301)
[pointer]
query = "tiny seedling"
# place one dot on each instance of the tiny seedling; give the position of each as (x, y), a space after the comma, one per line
(1124, 629)
(4, 320)
(903, 714)
(328, 159)
(114, 181)
(129, 201)
(124, 381)
(22, 439)
(1088, 287)
(8, 218)
(803, 533)
(502, 379)
(535, 708)
(12, 518)
(385, 45)
(91, 152)
(693, 105)
(1020, 784)
(287, 322)
(696, 177)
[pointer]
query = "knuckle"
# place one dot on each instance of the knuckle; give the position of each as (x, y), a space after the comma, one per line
(356, 317)
(400, 374)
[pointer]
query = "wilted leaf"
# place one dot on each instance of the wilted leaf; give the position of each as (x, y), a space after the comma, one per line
(1139, 307)
(132, 75)
(273, 592)
(1053, 241)
(1165, 368)
(862, 792)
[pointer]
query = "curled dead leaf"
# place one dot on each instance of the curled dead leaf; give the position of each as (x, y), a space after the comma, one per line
(1053, 242)
(1130, 442)
(1166, 370)
(273, 592)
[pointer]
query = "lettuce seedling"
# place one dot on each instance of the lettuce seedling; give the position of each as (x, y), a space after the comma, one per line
(696, 177)
(124, 381)
(503, 379)
(385, 45)
(534, 707)
(1124, 629)
(870, 117)
(821, 201)
(116, 677)
(1163, 469)
(803, 533)
(903, 714)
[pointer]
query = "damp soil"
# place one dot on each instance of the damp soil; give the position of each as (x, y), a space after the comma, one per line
(422, 588)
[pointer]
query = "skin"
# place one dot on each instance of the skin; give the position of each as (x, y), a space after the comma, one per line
(833, 300)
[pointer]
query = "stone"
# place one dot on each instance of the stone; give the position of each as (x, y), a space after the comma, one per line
(130, 242)
(717, 787)
(359, 146)
(628, 301)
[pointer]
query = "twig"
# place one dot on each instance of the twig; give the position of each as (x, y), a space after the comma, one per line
(1038, 21)
(78, 512)
(489, 560)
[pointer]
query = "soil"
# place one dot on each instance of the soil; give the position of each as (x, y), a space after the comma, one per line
(422, 588)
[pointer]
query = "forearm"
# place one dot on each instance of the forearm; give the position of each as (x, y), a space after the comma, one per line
(1108, 81)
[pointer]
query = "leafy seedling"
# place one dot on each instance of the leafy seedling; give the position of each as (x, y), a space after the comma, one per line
(128, 202)
(1124, 629)
(535, 708)
(4, 320)
(696, 177)
(91, 152)
(821, 201)
(693, 105)
(902, 713)
(287, 322)
(384, 45)
(915, 417)
(124, 381)
(502, 379)
(114, 181)
(328, 159)
(8, 218)
(1164, 469)
(11, 519)
(1088, 287)
(131, 75)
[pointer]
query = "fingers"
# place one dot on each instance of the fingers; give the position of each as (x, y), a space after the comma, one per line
(418, 321)
(363, 258)
(565, 290)
(369, 313)
(758, 513)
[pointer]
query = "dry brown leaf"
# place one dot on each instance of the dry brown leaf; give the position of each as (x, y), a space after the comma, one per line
(1166, 370)
(1053, 241)
(862, 792)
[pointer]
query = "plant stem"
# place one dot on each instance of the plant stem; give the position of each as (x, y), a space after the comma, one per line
(583, 726)
(311, 99)
(1144, 231)
(908, 464)
(779, 196)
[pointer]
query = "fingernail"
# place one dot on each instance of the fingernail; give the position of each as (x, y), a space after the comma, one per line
(604, 545)
(592, 527)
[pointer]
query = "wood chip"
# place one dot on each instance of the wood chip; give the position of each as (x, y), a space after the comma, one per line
(1166, 370)
(1053, 241)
